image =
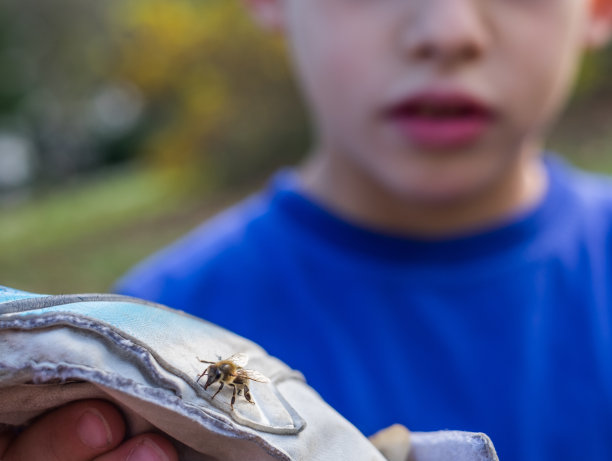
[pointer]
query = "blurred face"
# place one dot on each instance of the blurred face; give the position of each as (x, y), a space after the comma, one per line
(433, 100)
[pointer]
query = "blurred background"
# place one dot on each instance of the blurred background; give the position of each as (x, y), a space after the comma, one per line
(125, 123)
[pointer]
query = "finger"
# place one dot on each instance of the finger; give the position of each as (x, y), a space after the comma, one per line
(393, 442)
(79, 431)
(145, 447)
(5, 439)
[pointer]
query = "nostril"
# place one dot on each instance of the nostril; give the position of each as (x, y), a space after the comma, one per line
(470, 53)
(425, 52)
(447, 53)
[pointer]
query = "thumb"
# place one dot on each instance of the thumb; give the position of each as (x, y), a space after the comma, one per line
(393, 442)
(79, 431)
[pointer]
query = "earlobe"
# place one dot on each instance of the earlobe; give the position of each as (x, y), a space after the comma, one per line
(269, 14)
(600, 29)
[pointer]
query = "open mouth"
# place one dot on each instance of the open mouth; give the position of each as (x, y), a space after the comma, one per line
(441, 120)
(440, 106)
(440, 111)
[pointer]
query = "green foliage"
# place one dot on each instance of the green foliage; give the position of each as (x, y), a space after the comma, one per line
(213, 95)
(595, 73)
(219, 91)
(210, 91)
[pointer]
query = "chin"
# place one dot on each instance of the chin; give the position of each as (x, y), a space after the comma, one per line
(441, 198)
(437, 190)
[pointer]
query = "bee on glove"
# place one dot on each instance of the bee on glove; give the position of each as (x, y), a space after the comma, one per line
(231, 371)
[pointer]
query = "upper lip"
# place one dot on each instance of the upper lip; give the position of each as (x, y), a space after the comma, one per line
(440, 103)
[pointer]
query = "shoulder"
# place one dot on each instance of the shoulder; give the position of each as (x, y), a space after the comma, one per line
(591, 191)
(229, 241)
(583, 208)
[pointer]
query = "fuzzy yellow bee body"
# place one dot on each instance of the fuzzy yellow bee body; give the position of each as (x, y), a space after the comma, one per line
(231, 371)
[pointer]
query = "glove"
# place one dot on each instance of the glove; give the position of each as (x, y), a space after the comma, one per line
(396, 443)
(153, 362)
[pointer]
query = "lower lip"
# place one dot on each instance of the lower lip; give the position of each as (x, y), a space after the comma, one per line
(442, 133)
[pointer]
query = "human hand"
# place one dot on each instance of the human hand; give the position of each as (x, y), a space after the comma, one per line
(393, 442)
(87, 430)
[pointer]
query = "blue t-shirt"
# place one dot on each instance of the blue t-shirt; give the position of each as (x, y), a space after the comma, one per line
(508, 331)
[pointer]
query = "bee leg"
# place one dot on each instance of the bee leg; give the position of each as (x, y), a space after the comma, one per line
(247, 394)
(233, 396)
(218, 390)
(201, 375)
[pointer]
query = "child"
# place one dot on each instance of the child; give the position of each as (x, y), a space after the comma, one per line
(427, 265)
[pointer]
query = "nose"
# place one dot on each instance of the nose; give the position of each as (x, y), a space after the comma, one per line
(445, 33)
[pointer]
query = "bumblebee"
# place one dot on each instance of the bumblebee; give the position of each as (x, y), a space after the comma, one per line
(231, 371)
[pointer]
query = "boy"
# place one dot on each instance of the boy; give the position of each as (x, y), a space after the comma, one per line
(426, 266)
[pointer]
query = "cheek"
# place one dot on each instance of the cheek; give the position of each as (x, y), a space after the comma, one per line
(345, 73)
(337, 65)
(538, 67)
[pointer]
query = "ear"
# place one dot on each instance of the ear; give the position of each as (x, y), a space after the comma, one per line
(600, 28)
(269, 14)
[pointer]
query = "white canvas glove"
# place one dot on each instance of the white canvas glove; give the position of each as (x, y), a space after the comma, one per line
(397, 443)
(146, 358)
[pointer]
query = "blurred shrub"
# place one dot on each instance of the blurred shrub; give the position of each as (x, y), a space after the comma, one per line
(595, 73)
(220, 99)
(47, 80)
(189, 86)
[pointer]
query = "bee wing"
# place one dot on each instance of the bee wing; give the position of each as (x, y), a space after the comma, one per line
(255, 376)
(240, 359)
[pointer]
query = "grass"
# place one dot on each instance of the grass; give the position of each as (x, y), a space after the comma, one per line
(82, 237)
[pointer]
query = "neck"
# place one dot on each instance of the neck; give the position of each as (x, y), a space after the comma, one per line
(361, 199)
